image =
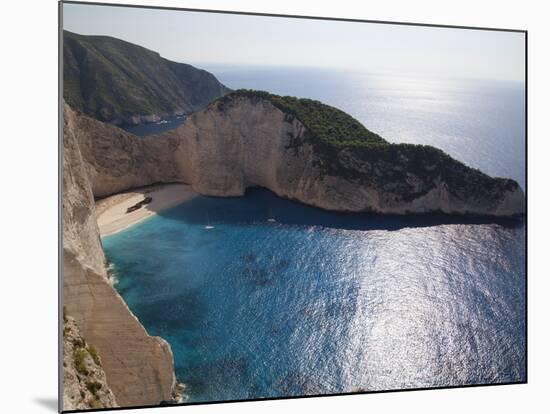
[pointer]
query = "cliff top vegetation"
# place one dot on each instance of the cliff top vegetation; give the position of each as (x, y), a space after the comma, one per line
(346, 148)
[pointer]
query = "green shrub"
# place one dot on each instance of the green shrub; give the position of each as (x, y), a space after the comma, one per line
(333, 133)
(93, 353)
(79, 357)
(326, 123)
(94, 403)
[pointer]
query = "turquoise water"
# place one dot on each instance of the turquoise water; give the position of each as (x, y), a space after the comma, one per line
(318, 303)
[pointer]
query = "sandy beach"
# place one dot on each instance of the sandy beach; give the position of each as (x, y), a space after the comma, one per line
(111, 211)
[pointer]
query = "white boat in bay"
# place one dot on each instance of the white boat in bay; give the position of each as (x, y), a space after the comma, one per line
(271, 218)
(208, 225)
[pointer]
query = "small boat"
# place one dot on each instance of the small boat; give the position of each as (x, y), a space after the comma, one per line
(271, 218)
(208, 225)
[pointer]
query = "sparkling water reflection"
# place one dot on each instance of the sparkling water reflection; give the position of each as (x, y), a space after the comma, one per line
(335, 304)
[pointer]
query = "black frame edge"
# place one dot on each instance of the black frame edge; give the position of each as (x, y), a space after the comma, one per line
(293, 16)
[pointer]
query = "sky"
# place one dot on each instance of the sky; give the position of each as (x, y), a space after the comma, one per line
(210, 38)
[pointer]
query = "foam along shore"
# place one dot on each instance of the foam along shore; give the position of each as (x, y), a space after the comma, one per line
(112, 215)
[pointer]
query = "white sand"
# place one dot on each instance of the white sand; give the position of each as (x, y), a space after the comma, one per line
(111, 211)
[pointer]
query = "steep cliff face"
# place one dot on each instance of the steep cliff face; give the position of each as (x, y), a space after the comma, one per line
(138, 367)
(80, 231)
(244, 141)
(115, 160)
(225, 150)
(84, 381)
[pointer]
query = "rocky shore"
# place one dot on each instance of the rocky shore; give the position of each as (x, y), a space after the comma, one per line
(138, 368)
(84, 381)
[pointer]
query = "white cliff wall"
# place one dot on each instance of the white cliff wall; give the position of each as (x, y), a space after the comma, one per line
(246, 142)
(138, 367)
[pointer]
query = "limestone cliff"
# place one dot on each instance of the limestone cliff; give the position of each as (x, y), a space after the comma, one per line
(138, 367)
(244, 140)
(115, 160)
(84, 381)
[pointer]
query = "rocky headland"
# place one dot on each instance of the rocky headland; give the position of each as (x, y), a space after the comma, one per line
(299, 149)
(122, 83)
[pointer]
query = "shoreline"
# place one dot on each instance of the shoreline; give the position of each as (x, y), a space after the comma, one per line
(111, 211)
(112, 218)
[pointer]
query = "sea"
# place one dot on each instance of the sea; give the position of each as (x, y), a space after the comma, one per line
(262, 297)
(150, 128)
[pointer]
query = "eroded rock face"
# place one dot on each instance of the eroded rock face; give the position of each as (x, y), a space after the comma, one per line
(245, 142)
(115, 160)
(224, 151)
(84, 381)
(80, 231)
(138, 367)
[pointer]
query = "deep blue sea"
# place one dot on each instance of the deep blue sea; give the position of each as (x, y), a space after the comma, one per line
(318, 302)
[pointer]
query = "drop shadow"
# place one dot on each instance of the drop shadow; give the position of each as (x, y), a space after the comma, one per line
(50, 404)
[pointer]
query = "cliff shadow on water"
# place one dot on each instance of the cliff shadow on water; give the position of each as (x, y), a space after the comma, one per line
(259, 205)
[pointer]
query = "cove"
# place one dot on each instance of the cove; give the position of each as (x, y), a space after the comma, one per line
(318, 303)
